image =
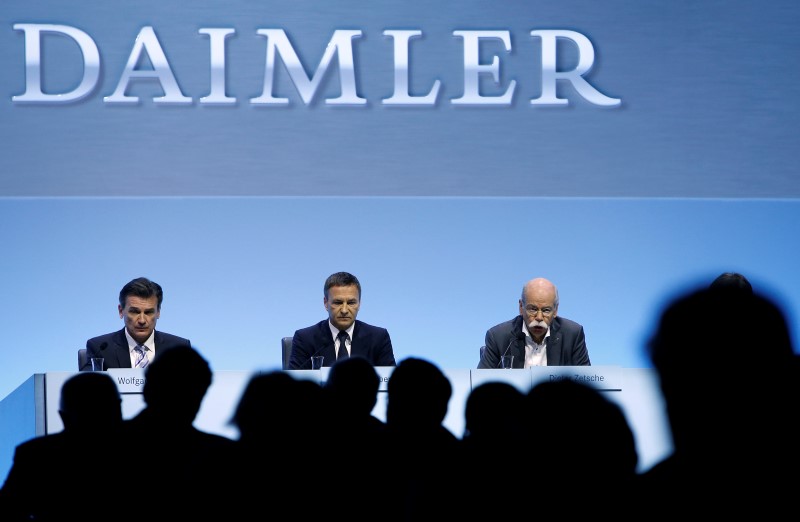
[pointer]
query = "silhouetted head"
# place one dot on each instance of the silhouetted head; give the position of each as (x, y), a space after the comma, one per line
(734, 281)
(579, 417)
(721, 357)
(353, 384)
(717, 328)
(90, 403)
(418, 395)
(494, 411)
(262, 403)
(176, 382)
(276, 408)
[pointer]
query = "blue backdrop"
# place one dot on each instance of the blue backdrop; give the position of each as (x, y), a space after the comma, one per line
(445, 211)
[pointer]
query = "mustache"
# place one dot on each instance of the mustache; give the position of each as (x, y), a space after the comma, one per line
(537, 323)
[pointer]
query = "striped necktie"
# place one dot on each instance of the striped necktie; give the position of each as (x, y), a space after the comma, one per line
(141, 359)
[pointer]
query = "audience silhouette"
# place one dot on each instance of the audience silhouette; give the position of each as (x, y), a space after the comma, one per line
(266, 400)
(728, 376)
(424, 468)
(493, 418)
(283, 442)
(60, 476)
(181, 472)
(359, 437)
(581, 446)
(494, 434)
(352, 388)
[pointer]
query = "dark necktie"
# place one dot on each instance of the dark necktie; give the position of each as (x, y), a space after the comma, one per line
(342, 345)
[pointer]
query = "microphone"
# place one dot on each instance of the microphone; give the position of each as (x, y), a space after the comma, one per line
(103, 346)
(518, 337)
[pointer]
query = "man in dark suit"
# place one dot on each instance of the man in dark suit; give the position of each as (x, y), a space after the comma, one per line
(191, 468)
(60, 476)
(537, 336)
(341, 335)
(138, 342)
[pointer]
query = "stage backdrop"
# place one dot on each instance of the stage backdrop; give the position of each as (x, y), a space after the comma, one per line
(239, 152)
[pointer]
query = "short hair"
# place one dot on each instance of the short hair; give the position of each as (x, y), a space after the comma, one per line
(84, 391)
(732, 281)
(90, 401)
(176, 374)
(418, 394)
(342, 279)
(141, 287)
(355, 382)
(555, 299)
(716, 339)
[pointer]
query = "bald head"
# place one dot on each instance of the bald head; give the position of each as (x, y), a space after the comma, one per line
(540, 289)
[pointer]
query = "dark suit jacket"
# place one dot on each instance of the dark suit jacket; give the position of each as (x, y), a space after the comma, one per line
(113, 347)
(370, 342)
(566, 345)
(50, 478)
(195, 467)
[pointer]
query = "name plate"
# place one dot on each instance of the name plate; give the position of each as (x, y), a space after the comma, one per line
(321, 375)
(604, 378)
(129, 380)
(384, 372)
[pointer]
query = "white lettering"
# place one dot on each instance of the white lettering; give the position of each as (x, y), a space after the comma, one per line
(217, 39)
(148, 50)
(575, 76)
(401, 95)
(33, 63)
(147, 42)
(473, 69)
(339, 45)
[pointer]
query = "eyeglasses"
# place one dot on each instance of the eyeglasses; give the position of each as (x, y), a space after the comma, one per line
(532, 311)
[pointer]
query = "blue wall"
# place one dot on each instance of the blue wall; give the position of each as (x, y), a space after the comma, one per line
(240, 211)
